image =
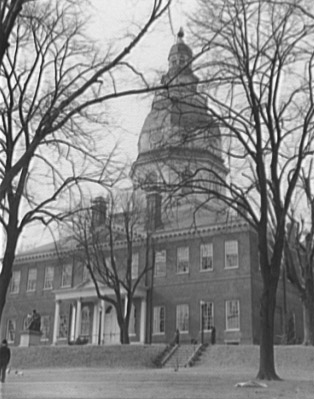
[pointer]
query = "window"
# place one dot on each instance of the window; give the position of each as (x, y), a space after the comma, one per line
(15, 282)
(183, 260)
(183, 318)
(11, 328)
(63, 326)
(206, 256)
(45, 328)
(66, 280)
(233, 315)
(32, 279)
(159, 320)
(135, 261)
(231, 254)
(207, 315)
(49, 275)
(160, 263)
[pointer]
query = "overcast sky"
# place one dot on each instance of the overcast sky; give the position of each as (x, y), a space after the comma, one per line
(109, 22)
(113, 21)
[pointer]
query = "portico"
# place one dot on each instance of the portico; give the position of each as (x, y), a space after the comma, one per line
(80, 314)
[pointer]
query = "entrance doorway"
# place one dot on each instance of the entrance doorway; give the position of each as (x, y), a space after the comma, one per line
(111, 330)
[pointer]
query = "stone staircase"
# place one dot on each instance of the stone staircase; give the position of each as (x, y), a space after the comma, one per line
(183, 356)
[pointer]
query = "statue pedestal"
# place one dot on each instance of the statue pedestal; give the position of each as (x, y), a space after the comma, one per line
(30, 338)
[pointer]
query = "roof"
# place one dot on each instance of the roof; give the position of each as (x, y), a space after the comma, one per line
(182, 220)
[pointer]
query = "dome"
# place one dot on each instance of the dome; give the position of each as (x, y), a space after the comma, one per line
(173, 121)
(180, 111)
(178, 126)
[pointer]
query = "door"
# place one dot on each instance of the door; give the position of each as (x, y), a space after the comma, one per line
(86, 323)
(111, 330)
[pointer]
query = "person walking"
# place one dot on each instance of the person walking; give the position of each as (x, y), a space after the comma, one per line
(5, 355)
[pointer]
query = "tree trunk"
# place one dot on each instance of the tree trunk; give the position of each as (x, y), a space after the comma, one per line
(308, 305)
(308, 322)
(123, 325)
(124, 335)
(267, 313)
(6, 273)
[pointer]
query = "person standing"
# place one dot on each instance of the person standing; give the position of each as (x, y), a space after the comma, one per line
(5, 355)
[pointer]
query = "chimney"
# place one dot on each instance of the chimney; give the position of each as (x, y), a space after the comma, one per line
(99, 211)
(153, 211)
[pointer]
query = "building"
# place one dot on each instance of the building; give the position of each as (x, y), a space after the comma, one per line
(205, 264)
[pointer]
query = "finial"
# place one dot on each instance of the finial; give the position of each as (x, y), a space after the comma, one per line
(180, 34)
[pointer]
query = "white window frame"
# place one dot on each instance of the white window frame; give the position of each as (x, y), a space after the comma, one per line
(232, 313)
(206, 251)
(64, 275)
(182, 318)
(159, 320)
(15, 282)
(160, 263)
(206, 320)
(8, 330)
(49, 277)
(231, 250)
(183, 256)
(31, 279)
(135, 265)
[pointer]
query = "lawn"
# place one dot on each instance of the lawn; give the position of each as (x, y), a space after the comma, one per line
(197, 382)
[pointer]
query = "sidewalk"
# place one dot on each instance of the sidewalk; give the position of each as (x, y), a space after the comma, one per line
(190, 383)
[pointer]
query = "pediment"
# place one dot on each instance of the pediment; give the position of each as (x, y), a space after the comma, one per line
(87, 284)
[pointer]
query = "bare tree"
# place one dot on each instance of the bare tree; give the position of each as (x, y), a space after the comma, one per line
(256, 59)
(9, 12)
(51, 80)
(107, 235)
(299, 256)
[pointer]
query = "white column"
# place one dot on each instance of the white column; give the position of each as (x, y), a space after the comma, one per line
(143, 321)
(56, 323)
(125, 305)
(102, 327)
(95, 324)
(78, 318)
(72, 332)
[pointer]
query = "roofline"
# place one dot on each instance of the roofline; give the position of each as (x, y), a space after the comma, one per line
(157, 235)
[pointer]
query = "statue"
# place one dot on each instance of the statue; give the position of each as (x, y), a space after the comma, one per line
(34, 323)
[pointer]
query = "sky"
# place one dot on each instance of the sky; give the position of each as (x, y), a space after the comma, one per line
(109, 23)
(151, 54)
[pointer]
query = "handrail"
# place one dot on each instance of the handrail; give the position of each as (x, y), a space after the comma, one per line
(168, 355)
(194, 354)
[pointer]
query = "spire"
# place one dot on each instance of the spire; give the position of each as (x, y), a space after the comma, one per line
(180, 35)
(180, 50)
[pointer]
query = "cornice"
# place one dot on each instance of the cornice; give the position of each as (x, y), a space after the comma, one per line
(157, 235)
(222, 227)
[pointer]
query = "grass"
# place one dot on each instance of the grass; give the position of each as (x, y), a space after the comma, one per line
(198, 382)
